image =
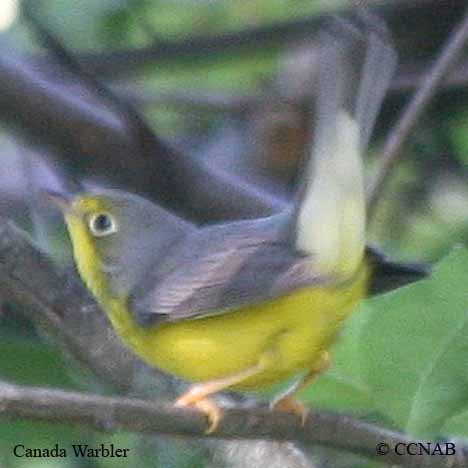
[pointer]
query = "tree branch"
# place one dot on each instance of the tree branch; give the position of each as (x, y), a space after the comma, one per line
(113, 414)
(63, 309)
(409, 78)
(215, 102)
(129, 61)
(391, 152)
(90, 137)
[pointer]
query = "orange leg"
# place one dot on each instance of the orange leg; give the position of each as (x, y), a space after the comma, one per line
(286, 402)
(197, 395)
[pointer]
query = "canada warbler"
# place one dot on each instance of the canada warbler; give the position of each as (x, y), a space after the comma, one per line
(243, 305)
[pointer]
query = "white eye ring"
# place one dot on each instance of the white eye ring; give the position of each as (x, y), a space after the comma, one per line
(102, 224)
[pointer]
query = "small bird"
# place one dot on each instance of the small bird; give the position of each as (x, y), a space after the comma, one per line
(243, 305)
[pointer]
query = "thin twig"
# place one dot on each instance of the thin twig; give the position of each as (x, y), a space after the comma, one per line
(392, 149)
(114, 414)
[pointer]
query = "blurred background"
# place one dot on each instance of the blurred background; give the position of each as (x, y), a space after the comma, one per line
(226, 84)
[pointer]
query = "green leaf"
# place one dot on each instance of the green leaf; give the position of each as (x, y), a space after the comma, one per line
(414, 349)
(456, 426)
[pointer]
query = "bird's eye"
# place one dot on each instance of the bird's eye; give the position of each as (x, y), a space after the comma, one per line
(102, 224)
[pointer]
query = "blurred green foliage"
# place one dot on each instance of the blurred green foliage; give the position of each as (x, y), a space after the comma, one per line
(458, 129)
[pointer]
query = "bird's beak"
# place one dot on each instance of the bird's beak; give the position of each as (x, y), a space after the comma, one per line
(61, 200)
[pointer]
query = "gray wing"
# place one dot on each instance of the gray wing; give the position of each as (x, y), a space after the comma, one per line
(220, 269)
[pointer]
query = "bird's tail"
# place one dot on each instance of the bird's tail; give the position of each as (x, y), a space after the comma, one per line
(388, 275)
(356, 65)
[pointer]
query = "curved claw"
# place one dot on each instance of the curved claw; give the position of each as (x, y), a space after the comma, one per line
(291, 405)
(208, 407)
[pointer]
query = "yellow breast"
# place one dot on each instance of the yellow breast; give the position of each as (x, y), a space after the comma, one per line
(295, 329)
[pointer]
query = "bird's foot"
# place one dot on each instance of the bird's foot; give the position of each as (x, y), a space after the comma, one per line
(290, 405)
(196, 398)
